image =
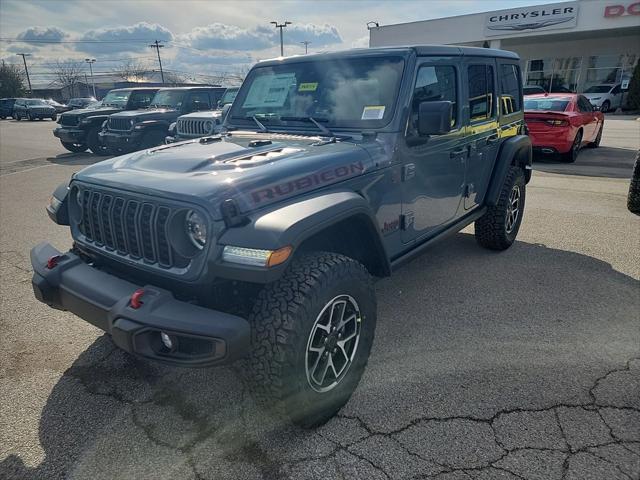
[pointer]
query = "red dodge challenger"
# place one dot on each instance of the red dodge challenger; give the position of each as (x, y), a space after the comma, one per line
(561, 123)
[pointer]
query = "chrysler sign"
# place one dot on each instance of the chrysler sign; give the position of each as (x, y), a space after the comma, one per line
(532, 19)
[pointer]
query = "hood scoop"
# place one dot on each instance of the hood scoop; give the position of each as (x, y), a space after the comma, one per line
(265, 154)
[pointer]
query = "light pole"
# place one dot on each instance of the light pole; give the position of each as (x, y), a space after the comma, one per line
(26, 70)
(306, 46)
(91, 61)
(281, 26)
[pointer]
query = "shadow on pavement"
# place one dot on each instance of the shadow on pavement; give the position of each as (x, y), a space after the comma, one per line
(461, 331)
(83, 158)
(593, 162)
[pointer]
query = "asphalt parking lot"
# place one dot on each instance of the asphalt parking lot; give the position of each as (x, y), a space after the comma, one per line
(516, 365)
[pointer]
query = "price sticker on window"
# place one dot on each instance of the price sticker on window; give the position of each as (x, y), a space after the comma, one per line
(308, 87)
(373, 112)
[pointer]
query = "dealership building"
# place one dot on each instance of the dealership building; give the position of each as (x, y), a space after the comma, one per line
(568, 45)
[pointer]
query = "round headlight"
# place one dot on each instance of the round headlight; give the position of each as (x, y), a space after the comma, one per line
(196, 229)
(208, 126)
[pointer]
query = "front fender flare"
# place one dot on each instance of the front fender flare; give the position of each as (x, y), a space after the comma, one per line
(292, 224)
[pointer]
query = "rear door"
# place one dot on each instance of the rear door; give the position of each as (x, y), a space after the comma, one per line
(433, 166)
(483, 136)
(588, 118)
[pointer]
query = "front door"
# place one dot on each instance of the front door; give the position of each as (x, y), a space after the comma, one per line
(433, 167)
(483, 133)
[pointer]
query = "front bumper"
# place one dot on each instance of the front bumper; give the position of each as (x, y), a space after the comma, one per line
(69, 135)
(126, 140)
(202, 337)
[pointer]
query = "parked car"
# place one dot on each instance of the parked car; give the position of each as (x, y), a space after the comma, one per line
(262, 244)
(562, 123)
(79, 129)
(33, 109)
(6, 107)
(532, 89)
(605, 97)
(60, 108)
(140, 129)
(82, 102)
(633, 198)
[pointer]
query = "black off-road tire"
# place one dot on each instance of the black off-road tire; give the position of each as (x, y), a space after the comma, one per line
(17, 117)
(492, 230)
(29, 117)
(282, 321)
(54, 117)
(633, 199)
(606, 106)
(93, 143)
(74, 147)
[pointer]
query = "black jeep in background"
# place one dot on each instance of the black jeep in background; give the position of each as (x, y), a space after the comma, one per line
(140, 129)
(79, 129)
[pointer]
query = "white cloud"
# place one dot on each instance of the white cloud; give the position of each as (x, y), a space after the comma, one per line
(130, 38)
(50, 34)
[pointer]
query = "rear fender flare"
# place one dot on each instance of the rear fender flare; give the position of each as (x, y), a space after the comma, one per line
(515, 151)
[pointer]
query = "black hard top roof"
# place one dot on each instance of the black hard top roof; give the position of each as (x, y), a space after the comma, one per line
(420, 50)
(199, 87)
(127, 89)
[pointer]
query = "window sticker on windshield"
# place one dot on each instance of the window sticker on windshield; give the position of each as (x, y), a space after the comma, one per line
(308, 87)
(373, 112)
(269, 90)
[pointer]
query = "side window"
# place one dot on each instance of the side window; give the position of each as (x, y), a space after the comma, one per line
(199, 101)
(433, 83)
(215, 96)
(481, 92)
(510, 97)
(141, 99)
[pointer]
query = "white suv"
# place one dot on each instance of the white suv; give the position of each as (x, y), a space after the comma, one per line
(605, 96)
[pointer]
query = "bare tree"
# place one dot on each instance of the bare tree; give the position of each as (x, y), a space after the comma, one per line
(11, 80)
(173, 78)
(68, 73)
(238, 75)
(132, 71)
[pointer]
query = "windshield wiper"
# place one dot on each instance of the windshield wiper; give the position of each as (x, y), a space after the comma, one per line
(317, 123)
(255, 119)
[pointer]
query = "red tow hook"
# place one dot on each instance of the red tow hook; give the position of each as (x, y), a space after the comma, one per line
(53, 261)
(136, 299)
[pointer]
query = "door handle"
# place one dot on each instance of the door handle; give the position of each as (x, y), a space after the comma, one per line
(457, 152)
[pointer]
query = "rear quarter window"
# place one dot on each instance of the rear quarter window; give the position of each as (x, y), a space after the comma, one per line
(510, 90)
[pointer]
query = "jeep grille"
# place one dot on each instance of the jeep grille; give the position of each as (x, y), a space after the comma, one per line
(128, 227)
(69, 120)
(119, 124)
(190, 127)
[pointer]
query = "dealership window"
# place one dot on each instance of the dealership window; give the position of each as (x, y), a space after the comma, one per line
(509, 89)
(433, 83)
(609, 68)
(555, 74)
(481, 92)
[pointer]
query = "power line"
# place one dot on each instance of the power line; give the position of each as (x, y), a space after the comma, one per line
(21, 40)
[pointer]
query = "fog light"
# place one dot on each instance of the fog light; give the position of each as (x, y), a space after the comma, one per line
(167, 341)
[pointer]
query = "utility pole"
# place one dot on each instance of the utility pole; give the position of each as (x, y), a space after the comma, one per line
(26, 70)
(91, 61)
(281, 26)
(306, 46)
(157, 46)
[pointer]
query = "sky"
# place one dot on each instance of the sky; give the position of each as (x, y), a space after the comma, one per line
(203, 37)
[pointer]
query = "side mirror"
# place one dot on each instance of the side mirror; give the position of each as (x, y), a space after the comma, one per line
(434, 118)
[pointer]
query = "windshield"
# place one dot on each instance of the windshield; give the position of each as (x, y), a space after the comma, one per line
(35, 102)
(547, 104)
(168, 99)
(598, 89)
(116, 99)
(229, 96)
(348, 92)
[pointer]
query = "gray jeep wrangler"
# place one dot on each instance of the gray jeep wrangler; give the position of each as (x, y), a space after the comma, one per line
(261, 244)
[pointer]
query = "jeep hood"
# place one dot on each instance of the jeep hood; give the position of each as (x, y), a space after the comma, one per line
(91, 112)
(148, 114)
(254, 169)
